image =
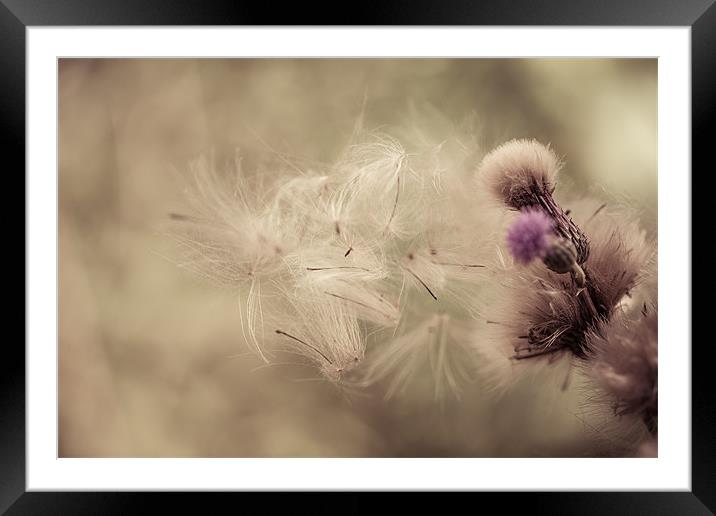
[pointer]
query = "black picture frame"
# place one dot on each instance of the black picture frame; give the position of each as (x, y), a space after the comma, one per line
(17, 15)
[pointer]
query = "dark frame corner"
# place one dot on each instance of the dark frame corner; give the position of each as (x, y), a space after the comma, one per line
(17, 15)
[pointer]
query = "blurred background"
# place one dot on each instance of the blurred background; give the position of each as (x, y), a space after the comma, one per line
(151, 360)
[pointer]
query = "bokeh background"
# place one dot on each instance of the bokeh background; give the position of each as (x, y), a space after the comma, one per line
(151, 362)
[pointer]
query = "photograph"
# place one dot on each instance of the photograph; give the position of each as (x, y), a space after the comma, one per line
(357, 257)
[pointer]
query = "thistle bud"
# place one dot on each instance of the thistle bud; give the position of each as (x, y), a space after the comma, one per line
(561, 257)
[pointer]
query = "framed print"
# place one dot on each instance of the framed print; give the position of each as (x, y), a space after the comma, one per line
(422, 252)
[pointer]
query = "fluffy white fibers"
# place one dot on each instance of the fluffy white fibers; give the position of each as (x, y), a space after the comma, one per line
(393, 231)
(514, 166)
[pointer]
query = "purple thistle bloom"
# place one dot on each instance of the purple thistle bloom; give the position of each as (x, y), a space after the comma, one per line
(530, 236)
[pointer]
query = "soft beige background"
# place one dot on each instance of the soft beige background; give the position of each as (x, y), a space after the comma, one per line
(151, 362)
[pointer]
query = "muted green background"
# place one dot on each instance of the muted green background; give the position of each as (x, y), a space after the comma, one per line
(151, 362)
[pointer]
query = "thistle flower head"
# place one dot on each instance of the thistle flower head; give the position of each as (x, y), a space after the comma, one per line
(535, 314)
(521, 174)
(530, 236)
(517, 167)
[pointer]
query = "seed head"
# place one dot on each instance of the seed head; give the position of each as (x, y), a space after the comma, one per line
(522, 174)
(518, 167)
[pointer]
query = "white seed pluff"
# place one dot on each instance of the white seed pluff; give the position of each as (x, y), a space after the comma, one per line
(318, 258)
(516, 165)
